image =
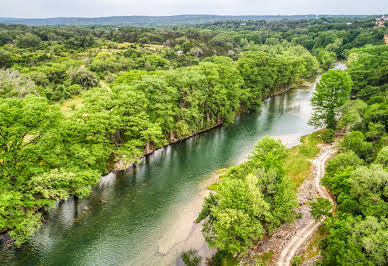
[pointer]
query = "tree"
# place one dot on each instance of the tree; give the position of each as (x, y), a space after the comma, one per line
(319, 208)
(83, 77)
(15, 84)
(5, 60)
(355, 141)
(342, 161)
(238, 218)
(252, 199)
(332, 92)
(28, 40)
(356, 241)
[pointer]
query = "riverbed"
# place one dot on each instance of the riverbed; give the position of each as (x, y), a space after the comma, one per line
(144, 216)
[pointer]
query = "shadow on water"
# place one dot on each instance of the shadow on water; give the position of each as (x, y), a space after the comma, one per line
(124, 218)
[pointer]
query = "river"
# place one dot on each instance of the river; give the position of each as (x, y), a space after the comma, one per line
(144, 216)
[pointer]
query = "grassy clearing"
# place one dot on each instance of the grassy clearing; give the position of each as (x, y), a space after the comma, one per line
(298, 163)
(69, 106)
(221, 174)
(264, 259)
(213, 186)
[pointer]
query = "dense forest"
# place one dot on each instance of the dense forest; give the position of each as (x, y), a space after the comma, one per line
(358, 176)
(77, 102)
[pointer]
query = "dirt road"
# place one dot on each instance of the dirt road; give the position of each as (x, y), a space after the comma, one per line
(306, 232)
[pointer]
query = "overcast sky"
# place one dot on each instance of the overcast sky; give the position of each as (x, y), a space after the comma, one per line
(101, 8)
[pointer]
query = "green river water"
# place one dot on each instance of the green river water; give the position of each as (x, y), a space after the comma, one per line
(144, 216)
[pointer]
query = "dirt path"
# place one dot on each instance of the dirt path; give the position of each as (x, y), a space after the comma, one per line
(304, 233)
(104, 85)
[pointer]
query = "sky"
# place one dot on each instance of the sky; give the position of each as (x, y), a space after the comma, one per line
(103, 8)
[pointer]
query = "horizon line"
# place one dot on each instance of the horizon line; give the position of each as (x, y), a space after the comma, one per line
(176, 15)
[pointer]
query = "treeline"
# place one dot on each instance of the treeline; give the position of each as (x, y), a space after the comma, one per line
(46, 156)
(60, 62)
(358, 175)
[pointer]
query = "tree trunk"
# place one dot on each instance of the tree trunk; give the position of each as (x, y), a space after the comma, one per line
(172, 137)
(148, 150)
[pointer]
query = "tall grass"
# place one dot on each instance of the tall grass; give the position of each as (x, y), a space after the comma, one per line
(298, 163)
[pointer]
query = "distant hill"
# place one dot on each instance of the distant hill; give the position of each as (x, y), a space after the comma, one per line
(150, 20)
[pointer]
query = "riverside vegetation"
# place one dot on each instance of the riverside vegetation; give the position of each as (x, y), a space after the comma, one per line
(353, 102)
(77, 102)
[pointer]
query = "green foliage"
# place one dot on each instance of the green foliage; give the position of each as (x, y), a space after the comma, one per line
(356, 241)
(342, 161)
(319, 208)
(83, 77)
(296, 261)
(29, 40)
(5, 60)
(352, 115)
(15, 84)
(190, 258)
(358, 230)
(328, 135)
(332, 92)
(253, 198)
(159, 97)
(382, 156)
(326, 58)
(355, 141)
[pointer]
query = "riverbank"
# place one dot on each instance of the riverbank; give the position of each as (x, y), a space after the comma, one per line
(121, 166)
(130, 213)
(299, 168)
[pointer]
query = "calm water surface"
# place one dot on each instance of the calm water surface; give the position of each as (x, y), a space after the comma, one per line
(124, 219)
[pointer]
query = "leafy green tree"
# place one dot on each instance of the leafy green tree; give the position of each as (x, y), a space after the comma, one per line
(342, 161)
(382, 156)
(369, 187)
(332, 92)
(321, 207)
(5, 60)
(355, 141)
(28, 40)
(252, 199)
(352, 115)
(238, 217)
(353, 241)
(83, 77)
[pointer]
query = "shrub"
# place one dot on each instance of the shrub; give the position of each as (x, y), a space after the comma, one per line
(328, 135)
(191, 258)
(320, 207)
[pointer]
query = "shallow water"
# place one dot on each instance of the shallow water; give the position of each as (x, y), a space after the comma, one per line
(144, 215)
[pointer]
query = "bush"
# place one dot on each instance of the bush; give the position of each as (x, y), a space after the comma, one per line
(320, 207)
(191, 258)
(28, 40)
(5, 60)
(296, 261)
(343, 160)
(356, 142)
(328, 135)
(83, 77)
